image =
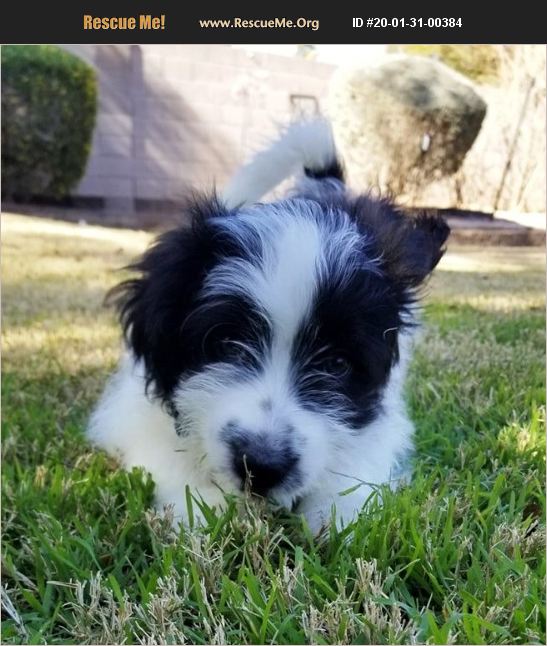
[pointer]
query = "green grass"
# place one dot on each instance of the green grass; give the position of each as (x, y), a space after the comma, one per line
(455, 557)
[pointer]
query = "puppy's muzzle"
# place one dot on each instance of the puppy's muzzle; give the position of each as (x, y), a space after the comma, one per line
(260, 462)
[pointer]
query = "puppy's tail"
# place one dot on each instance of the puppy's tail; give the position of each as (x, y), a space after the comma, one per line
(304, 145)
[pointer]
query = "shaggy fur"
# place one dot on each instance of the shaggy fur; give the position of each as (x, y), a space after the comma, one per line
(268, 342)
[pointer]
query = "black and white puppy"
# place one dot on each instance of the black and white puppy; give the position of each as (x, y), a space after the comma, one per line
(268, 342)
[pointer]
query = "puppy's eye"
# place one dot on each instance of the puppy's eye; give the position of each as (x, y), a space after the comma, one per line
(231, 349)
(223, 347)
(337, 365)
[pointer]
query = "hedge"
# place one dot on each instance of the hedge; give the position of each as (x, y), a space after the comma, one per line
(49, 105)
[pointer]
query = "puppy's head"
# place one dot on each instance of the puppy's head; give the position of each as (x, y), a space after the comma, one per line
(273, 329)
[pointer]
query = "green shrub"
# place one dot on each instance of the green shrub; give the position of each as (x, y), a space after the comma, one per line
(49, 103)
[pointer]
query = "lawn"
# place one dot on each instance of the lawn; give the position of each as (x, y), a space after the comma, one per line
(458, 556)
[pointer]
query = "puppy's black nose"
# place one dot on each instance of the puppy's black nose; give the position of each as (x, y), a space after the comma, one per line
(261, 465)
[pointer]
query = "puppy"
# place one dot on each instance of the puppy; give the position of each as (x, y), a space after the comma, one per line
(267, 343)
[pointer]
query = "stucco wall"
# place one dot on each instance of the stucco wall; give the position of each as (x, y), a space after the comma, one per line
(174, 116)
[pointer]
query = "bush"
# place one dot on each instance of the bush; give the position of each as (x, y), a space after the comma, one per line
(49, 103)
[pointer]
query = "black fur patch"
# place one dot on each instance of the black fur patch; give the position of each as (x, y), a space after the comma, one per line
(362, 320)
(356, 324)
(410, 246)
(334, 170)
(158, 310)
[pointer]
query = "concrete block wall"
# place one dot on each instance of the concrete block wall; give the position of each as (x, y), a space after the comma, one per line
(177, 116)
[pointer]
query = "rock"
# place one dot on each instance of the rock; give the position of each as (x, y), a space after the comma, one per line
(404, 122)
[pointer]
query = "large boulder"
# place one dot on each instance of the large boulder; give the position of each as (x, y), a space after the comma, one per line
(404, 122)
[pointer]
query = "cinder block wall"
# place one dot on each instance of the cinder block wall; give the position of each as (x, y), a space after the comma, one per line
(174, 116)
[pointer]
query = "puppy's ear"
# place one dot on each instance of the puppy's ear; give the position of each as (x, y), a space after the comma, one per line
(409, 246)
(154, 305)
